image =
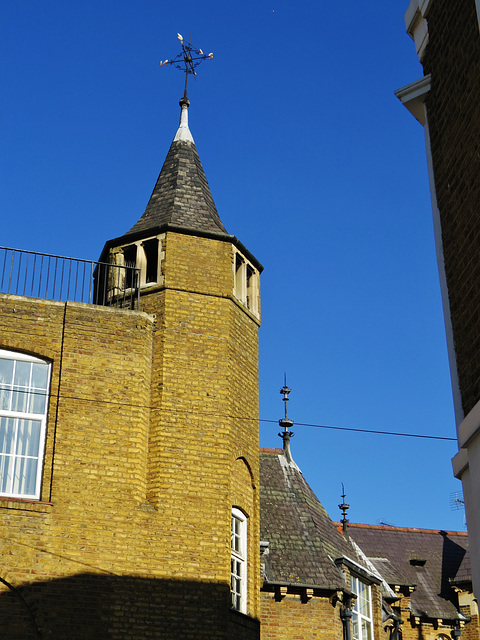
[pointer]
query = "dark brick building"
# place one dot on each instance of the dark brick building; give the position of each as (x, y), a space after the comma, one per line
(447, 102)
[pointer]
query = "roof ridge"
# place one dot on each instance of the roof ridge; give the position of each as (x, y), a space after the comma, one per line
(403, 529)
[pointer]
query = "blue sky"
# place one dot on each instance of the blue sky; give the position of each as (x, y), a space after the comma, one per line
(313, 164)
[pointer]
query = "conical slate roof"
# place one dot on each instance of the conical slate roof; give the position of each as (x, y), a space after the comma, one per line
(181, 197)
(303, 541)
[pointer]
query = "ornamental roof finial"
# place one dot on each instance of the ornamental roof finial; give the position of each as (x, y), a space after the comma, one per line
(286, 422)
(344, 507)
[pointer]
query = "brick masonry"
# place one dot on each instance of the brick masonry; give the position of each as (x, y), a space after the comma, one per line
(152, 438)
(453, 59)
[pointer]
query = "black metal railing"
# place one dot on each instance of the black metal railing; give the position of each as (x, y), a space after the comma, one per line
(50, 277)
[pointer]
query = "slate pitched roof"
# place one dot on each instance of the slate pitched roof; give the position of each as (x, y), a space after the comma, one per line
(303, 540)
(181, 197)
(430, 560)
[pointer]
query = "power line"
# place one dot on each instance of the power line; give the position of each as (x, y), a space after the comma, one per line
(244, 418)
(383, 433)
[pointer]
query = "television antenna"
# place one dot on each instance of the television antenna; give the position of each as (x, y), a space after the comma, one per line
(456, 501)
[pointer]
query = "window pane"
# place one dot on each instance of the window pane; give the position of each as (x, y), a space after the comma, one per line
(6, 371)
(38, 399)
(363, 600)
(355, 635)
(19, 400)
(6, 470)
(28, 438)
(7, 435)
(5, 398)
(366, 630)
(22, 373)
(39, 375)
(25, 477)
(6, 375)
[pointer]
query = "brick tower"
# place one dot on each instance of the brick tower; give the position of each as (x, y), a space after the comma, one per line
(142, 520)
(202, 286)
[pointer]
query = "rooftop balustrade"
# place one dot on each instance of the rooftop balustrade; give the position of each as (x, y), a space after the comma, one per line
(51, 277)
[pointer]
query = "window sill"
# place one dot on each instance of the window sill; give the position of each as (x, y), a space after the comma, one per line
(25, 505)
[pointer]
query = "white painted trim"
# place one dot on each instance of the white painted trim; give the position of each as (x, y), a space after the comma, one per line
(16, 355)
(469, 428)
(460, 463)
(477, 2)
(34, 417)
(413, 97)
(417, 25)
(420, 6)
(241, 557)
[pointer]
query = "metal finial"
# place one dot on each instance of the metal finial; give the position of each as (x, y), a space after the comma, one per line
(286, 421)
(344, 507)
(188, 59)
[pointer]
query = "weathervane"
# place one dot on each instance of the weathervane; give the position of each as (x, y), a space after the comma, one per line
(188, 60)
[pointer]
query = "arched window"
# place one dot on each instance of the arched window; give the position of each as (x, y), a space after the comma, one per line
(238, 566)
(24, 385)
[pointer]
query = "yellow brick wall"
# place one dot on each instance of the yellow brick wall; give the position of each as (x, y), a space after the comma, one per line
(152, 437)
(206, 416)
(291, 618)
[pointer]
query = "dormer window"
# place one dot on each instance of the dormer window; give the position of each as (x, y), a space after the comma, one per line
(417, 562)
(246, 283)
(362, 618)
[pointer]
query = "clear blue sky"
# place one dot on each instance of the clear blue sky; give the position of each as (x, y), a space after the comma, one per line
(313, 164)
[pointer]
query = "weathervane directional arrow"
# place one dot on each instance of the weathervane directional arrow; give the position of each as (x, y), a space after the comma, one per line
(188, 59)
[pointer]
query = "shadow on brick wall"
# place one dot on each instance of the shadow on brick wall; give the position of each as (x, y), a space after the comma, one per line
(93, 607)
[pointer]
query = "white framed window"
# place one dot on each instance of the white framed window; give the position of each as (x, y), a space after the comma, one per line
(24, 385)
(238, 565)
(362, 620)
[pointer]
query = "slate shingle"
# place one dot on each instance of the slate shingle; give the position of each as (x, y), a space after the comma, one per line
(431, 560)
(181, 197)
(303, 540)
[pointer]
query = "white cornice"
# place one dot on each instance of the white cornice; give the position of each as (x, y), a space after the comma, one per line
(416, 23)
(413, 97)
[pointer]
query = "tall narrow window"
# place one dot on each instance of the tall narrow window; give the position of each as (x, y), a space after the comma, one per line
(362, 622)
(238, 584)
(130, 258)
(24, 384)
(251, 290)
(239, 277)
(151, 254)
